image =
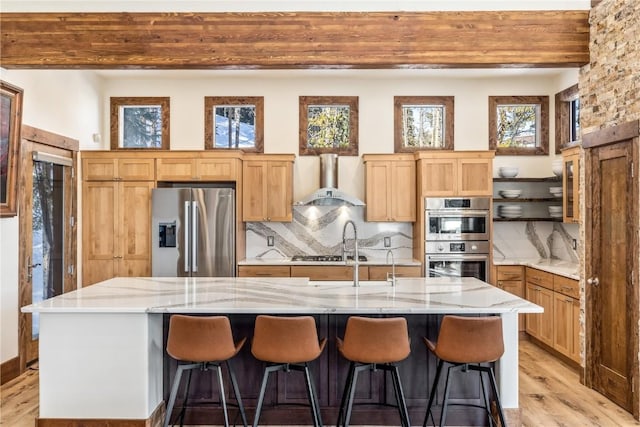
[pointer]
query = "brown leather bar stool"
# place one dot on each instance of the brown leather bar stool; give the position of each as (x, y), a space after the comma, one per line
(371, 344)
(465, 343)
(287, 343)
(198, 342)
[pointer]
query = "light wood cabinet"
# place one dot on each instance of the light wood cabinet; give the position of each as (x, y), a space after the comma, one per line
(329, 272)
(540, 291)
(267, 188)
(264, 271)
(559, 325)
(116, 214)
(390, 187)
(379, 272)
(510, 278)
(456, 173)
(102, 168)
(571, 185)
(207, 168)
(116, 229)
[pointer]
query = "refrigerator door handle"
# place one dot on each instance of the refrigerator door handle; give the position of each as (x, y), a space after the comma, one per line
(187, 231)
(194, 237)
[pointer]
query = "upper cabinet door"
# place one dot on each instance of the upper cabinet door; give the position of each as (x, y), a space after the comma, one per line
(475, 177)
(110, 168)
(390, 188)
(267, 189)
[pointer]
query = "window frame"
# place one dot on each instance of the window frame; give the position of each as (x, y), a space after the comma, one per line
(117, 102)
(210, 103)
(308, 101)
(542, 128)
(563, 118)
(448, 102)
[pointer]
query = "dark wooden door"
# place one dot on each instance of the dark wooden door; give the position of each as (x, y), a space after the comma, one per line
(609, 271)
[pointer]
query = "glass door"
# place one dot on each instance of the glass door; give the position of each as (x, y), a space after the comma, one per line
(46, 269)
(47, 234)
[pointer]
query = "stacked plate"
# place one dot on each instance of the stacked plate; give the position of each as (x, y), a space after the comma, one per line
(510, 194)
(513, 211)
(555, 191)
(555, 211)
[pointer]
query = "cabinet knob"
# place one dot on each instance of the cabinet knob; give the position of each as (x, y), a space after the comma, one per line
(593, 281)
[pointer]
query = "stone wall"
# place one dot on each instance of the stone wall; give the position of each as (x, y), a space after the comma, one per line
(610, 84)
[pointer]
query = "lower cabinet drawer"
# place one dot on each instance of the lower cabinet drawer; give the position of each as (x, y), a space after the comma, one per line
(264, 271)
(328, 272)
(566, 286)
(379, 272)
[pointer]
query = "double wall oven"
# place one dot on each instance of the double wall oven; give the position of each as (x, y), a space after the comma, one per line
(457, 237)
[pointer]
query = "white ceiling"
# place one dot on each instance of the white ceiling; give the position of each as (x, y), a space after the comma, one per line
(285, 5)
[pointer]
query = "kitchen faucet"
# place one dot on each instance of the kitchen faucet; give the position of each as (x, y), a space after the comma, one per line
(356, 257)
(393, 268)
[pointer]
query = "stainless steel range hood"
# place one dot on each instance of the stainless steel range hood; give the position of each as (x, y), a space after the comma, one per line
(328, 194)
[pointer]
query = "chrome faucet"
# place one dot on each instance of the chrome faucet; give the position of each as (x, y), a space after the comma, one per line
(356, 257)
(391, 278)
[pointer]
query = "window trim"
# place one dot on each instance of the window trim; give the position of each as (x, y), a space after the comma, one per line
(399, 101)
(117, 102)
(210, 102)
(543, 126)
(563, 123)
(306, 101)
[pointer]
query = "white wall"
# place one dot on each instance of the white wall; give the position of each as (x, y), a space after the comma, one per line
(375, 89)
(76, 104)
(63, 102)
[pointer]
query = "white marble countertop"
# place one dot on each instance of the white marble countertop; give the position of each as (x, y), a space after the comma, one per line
(287, 261)
(563, 268)
(286, 295)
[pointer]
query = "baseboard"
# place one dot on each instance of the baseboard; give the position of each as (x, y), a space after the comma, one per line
(155, 420)
(9, 370)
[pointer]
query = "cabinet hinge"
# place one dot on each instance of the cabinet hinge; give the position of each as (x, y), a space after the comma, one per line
(71, 270)
(73, 172)
(632, 170)
(72, 221)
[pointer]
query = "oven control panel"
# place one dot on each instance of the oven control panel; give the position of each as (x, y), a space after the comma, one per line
(465, 247)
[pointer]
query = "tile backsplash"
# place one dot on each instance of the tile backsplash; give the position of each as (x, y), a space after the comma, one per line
(317, 230)
(535, 239)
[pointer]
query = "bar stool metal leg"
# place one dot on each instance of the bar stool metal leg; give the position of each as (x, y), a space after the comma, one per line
(494, 388)
(402, 404)
(263, 389)
(345, 394)
(174, 390)
(236, 392)
(432, 395)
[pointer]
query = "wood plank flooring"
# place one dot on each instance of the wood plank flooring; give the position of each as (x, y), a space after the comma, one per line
(550, 396)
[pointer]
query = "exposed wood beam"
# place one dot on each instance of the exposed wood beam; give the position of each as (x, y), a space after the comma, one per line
(294, 40)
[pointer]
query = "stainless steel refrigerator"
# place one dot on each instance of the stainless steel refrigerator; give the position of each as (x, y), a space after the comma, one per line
(193, 232)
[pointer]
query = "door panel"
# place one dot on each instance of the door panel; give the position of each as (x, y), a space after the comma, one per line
(612, 299)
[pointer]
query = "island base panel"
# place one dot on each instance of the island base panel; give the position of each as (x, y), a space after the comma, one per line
(286, 392)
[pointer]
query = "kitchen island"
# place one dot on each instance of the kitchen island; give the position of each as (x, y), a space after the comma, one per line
(102, 351)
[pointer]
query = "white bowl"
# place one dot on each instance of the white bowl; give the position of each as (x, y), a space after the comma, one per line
(555, 209)
(508, 171)
(556, 167)
(510, 194)
(555, 189)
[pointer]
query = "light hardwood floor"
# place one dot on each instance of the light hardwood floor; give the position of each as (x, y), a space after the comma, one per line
(550, 395)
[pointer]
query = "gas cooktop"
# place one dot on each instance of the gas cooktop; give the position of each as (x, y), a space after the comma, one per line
(325, 258)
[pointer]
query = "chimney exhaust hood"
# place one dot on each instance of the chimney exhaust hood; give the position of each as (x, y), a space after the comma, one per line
(328, 194)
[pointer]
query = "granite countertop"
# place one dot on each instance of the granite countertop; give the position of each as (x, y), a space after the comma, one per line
(124, 295)
(563, 268)
(369, 261)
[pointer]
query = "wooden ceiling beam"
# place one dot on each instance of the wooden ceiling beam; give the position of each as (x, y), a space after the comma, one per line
(294, 40)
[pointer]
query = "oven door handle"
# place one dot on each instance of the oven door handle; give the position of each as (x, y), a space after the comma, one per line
(457, 257)
(463, 214)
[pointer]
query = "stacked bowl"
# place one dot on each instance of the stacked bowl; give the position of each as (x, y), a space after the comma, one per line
(555, 191)
(510, 194)
(556, 167)
(508, 171)
(555, 211)
(511, 211)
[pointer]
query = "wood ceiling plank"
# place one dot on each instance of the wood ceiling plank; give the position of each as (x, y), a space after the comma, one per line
(294, 40)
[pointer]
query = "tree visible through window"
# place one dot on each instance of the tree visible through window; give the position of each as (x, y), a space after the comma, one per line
(329, 125)
(423, 123)
(519, 124)
(233, 122)
(140, 123)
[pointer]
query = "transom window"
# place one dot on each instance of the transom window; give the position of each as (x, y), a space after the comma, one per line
(519, 125)
(140, 123)
(329, 124)
(233, 122)
(423, 123)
